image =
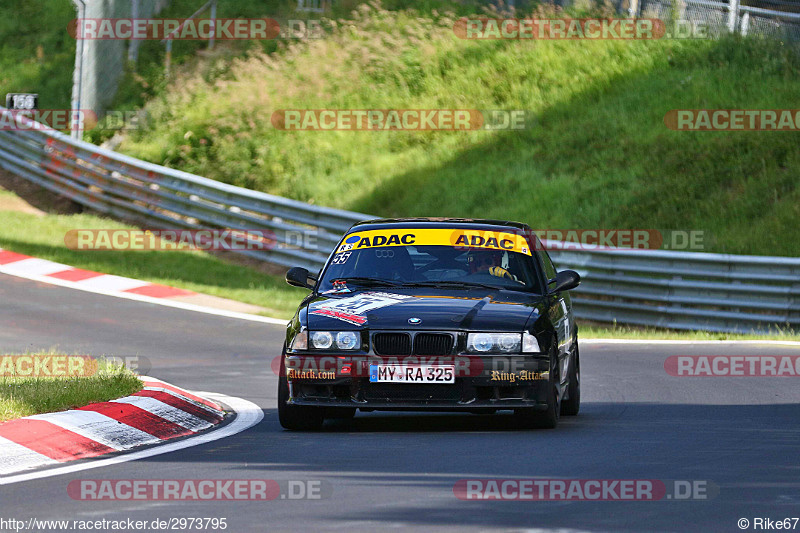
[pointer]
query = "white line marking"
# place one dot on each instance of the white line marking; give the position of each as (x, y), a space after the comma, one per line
(167, 412)
(248, 414)
(99, 428)
(107, 282)
(38, 267)
(15, 457)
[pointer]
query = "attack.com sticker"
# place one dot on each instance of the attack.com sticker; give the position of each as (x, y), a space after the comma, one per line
(355, 308)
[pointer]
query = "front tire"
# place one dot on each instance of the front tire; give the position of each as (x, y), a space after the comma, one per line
(295, 417)
(572, 404)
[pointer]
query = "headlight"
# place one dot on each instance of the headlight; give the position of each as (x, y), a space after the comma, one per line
(300, 341)
(347, 340)
(321, 340)
(494, 342)
(479, 342)
(530, 344)
(342, 340)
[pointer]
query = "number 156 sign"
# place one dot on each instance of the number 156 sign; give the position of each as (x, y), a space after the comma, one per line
(22, 101)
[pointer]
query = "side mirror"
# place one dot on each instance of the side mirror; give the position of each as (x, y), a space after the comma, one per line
(299, 277)
(566, 280)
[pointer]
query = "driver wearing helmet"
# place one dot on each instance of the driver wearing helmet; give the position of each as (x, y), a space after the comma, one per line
(492, 262)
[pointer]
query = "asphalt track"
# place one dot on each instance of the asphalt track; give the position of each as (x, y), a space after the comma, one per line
(393, 470)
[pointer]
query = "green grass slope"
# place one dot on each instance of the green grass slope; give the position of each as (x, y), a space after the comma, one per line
(37, 54)
(598, 155)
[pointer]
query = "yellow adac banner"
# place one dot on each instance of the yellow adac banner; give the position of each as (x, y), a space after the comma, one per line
(459, 238)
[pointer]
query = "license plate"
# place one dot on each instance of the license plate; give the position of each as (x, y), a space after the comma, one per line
(412, 374)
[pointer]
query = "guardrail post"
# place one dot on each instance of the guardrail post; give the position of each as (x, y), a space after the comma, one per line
(733, 15)
(76, 127)
(168, 58)
(213, 24)
(133, 44)
(745, 23)
(633, 9)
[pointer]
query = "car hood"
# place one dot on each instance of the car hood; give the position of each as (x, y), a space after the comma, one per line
(474, 309)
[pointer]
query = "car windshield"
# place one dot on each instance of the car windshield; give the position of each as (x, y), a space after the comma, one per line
(453, 258)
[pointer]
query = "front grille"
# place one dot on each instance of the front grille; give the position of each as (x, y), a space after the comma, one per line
(392, 343)
(433, 344)
(411, 392)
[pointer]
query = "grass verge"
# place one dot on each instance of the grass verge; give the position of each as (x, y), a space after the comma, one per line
(43, 237)
(24, 396)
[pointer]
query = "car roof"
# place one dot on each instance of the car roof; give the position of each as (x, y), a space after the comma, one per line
(432, 222)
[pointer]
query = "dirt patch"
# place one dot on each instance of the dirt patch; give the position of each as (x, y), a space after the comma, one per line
(34, 198)
(9, 202)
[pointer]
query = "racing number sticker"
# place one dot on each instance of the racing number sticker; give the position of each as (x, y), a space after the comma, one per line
(340, 259)
(354, 309)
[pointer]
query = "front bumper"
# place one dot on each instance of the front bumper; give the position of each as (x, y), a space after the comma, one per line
(487, 382)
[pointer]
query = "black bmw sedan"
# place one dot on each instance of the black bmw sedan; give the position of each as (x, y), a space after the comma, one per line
(432, 314)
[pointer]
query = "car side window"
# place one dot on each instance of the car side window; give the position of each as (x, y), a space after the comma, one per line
(549, 268)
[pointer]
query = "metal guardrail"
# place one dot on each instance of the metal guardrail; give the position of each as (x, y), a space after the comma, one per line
(162, 198)
(725, 16)
(642, 287)
(686, 290)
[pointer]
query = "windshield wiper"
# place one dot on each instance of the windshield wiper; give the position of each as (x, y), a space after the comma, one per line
(450, 283)
(359, 280)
